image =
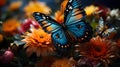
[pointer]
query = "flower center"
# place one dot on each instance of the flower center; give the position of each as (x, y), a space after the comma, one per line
(41, 36)
(98, 48)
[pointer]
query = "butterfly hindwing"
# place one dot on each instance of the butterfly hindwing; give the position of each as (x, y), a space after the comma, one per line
(60, 40)
(77, 29)
(107, 32)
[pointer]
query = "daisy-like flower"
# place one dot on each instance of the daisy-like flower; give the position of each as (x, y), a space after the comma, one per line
(100, 49)
(36, 6)
(15, 5)
(38, 42)
(10, 26)
(59, 15)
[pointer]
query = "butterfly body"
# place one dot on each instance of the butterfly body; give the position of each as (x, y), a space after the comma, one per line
(73, 29)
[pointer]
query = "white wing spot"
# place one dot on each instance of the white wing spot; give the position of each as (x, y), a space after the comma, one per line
(47, 17)
(70, 7)
(38, 13)
(67, 10)
(44, 17)
(70, 0)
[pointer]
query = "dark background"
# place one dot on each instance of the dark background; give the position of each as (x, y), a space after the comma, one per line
(55, 4)
(109, 3)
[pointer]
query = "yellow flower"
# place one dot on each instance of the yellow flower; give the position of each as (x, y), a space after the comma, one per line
(1, 37)
(90, 9)
(35, 6)
(59, 15)
(10, 26)
(15, 5)
(39, 42)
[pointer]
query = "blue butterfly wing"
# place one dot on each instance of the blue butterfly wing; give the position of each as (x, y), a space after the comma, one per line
(60, 41)
(77, 28)
(74, 21)
(73, 12)
(49, 25)
(81, 31)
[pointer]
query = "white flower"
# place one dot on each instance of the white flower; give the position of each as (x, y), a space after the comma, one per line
(114, 13)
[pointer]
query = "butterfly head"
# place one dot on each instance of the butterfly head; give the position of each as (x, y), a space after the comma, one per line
(39, 16)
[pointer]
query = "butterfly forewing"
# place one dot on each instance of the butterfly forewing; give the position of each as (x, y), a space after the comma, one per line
(73, 12)
(47, 23)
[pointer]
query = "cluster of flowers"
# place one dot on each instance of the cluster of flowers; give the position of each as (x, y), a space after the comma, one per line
(96, 52)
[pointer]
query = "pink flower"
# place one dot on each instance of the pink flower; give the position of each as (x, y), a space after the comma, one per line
(7, 56)
(28, 23)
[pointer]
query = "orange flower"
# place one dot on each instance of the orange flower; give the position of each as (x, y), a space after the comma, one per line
(59, 15)
(35, 6)
(39, 42)
(15, 5)
(65, 62)
(45, 62)
(1, 37)
(100, 48)
(10, 26)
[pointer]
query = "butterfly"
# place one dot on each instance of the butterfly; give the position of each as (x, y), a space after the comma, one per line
(74, 26)
(103, 30)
